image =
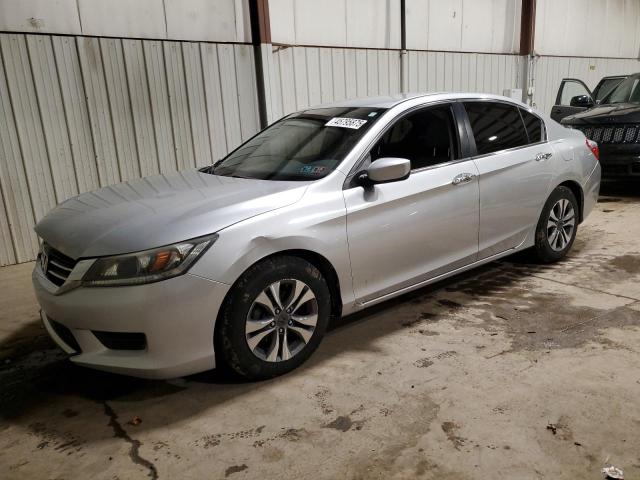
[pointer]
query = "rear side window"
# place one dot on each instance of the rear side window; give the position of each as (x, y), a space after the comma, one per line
(496, 126)
(533, 125)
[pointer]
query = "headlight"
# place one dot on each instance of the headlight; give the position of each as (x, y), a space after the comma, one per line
(147, 266)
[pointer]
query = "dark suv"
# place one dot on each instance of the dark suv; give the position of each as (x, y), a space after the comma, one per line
(613, 121)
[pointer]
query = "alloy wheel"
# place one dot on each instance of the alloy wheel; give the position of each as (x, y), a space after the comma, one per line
(281, 320)
(561, 224)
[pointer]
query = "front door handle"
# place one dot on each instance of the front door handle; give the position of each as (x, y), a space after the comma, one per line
(542, 156)
(462, 178)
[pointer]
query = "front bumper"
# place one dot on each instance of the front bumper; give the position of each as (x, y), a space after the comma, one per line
(620, 161)
(177, 316)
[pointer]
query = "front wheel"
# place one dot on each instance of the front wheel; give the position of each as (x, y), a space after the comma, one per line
(274, 318)
(557, 227)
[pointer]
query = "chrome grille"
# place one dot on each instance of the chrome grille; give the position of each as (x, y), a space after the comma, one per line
(612, 134)
(55, 265)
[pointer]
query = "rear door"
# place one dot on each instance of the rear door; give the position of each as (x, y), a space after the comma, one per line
(570, 88)
(512, 158)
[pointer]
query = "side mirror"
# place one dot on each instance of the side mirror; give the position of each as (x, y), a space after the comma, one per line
(581, 101)
(385, 170)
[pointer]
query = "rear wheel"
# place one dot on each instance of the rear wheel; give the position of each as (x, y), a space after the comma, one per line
(274, 318)
(557, 227)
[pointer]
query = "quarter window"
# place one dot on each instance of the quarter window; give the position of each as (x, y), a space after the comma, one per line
(496, 126)
(533, 124)
(426, 138)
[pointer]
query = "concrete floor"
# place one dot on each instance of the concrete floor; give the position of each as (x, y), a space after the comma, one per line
(461, 380)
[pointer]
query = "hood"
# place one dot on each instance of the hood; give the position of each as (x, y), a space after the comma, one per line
(159, 210)
(606, 114)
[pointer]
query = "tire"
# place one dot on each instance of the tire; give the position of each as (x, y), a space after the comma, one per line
(550, 247)
(250, 311)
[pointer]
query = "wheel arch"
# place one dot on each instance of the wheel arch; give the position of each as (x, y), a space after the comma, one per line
(578, 193)
(317, 260)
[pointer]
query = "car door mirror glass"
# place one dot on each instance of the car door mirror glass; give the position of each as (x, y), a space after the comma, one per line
(385, 170)
(581, 101)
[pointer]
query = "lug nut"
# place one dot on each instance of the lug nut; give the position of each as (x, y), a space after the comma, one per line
(277, 310)
(281, 330)
(288, 310)
(290, 322)
(273, 324)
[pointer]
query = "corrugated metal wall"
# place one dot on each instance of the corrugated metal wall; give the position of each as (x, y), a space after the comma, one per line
(77, 113)
(463, 72)
(304, 76)
(549, 71)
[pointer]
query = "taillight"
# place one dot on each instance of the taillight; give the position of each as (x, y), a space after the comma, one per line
(593, 146)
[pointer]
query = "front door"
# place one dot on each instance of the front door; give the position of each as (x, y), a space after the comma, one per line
(571, 91)
(515, 172)
(406, 232)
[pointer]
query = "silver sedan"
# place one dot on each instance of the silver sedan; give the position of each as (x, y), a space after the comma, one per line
(243, 263)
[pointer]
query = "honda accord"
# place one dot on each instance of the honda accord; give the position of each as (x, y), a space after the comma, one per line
(329, 210)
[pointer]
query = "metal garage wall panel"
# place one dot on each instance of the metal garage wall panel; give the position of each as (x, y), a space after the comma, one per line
(314, 88)
(462, 72)
(143, 125)
(14, 188)
(7, 254)
(213, 94)
(339, 23)
(326, 75)
(588, 27)
(120, 102)
(247, 95)
(299, 67)
(228, 81)
(307, 76)
(100, 119)
(362, 73)
(76, 112)
(177, 88)
(197, 104)
(351, 82)
(28, 122)
(549, 71)
(159, 101)
(56, 137)
(491, 26)
(287, 80)
(339, 83)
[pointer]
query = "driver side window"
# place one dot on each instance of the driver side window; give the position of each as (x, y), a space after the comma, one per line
(426, 138)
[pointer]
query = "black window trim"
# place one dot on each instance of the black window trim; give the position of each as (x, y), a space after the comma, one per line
(471, 138)
(462, 136)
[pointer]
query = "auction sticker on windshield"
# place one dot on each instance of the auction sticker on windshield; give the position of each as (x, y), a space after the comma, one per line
(354, 123)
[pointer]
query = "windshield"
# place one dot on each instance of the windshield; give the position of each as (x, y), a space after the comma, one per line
(303, 146)
(628, 91)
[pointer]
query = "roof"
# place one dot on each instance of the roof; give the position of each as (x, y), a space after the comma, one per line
(393, 100)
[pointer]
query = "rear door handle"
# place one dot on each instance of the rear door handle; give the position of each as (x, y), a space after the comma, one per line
(462, 178)
(543, 156)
